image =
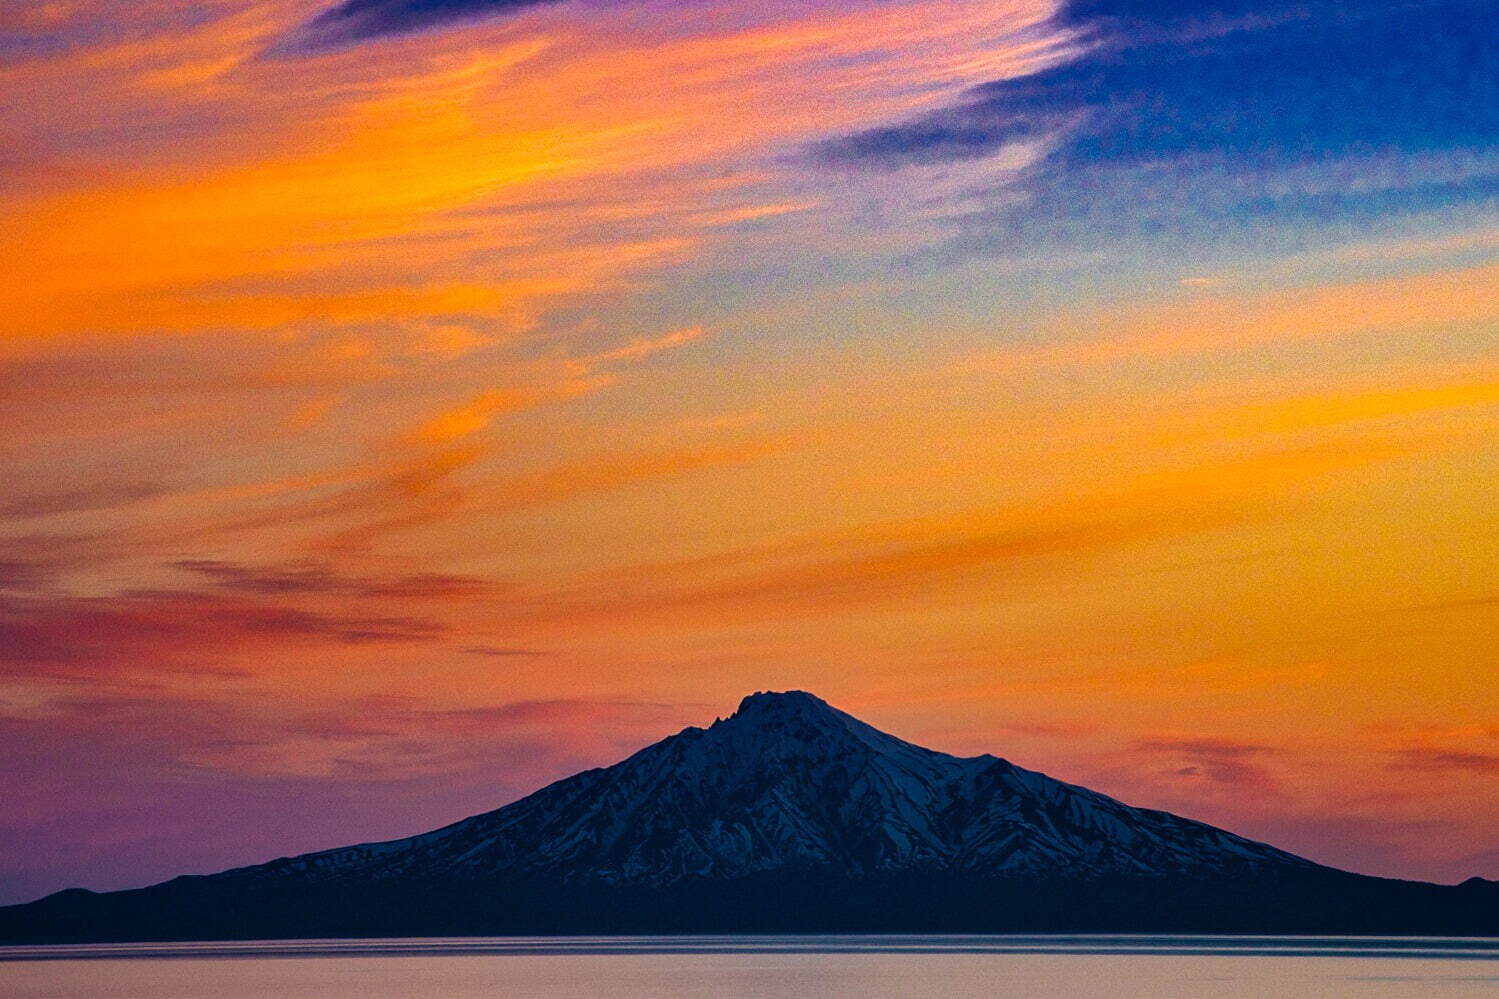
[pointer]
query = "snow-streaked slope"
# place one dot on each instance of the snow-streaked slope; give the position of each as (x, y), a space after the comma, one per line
(791, 783)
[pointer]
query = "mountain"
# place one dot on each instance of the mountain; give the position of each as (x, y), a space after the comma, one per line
(790, 815)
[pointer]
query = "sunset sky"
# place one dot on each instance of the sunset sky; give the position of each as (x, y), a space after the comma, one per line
(407, 403)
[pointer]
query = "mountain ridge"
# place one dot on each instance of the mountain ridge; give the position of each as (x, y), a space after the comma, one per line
(907, 798)
(711, 826)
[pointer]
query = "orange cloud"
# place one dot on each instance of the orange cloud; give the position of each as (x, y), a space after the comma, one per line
(366, 183)
(607, 472)
(475, 415)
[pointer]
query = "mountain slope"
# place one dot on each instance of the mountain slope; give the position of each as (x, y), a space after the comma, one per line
(789, 814)
(788, 782)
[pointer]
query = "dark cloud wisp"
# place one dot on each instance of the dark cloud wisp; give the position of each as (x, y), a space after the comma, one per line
(1179, 117)
(362, 20)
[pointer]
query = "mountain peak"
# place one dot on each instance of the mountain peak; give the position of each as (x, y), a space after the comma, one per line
(799, 720)
(782, 702)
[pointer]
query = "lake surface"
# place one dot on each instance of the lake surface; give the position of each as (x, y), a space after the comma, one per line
(866, 967)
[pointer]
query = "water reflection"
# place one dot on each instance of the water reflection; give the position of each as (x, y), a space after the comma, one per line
(868, 967)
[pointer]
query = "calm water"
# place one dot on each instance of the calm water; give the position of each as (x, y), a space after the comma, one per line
(954, 967)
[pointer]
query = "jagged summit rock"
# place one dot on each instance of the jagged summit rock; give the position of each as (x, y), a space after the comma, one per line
(788, 814)
(794, 719)
(788, 703)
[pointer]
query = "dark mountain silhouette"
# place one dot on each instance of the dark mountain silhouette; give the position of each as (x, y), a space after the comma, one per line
(788, 816)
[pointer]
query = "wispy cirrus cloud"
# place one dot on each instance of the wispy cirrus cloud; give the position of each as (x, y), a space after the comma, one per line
(1478, 603)
(895, 561)
(1238, 765)
(1216, 323)
(355, 21)
(1187, 125)
(322, 577)
(153, 632)
(646, 346)
(501, 651)
(1431, 759)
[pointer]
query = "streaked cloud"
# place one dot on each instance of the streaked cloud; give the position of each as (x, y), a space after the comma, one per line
(166, 631)
(1231, 323)
(645, 346)
(359, 20)
(323, 577)
(1433, 760)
